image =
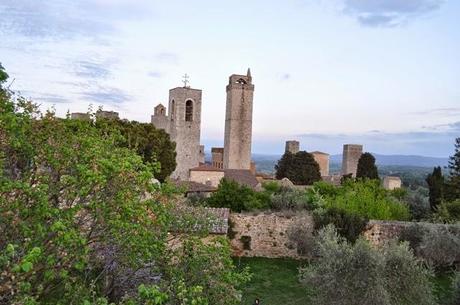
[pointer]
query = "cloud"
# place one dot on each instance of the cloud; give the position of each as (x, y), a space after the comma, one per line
(155, 74)
(285, 76)
(389, 13)
(106, 95)
(66, 18)
(47, 98)
(89, 69)
(167, 57)
(444, 112)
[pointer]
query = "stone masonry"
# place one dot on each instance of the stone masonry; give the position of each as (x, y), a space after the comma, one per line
(350, 158)
(292, 146)
(238, 122)
(323, 161)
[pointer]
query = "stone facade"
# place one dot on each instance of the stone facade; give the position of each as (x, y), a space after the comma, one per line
(391, 183)
(159, 118)
(112, 115)
(323, 161)
(207, 175)
(350, 158)
(238, 122)
(202, 154)
(80, 116)
(292, 146)
(217, 157)
(265, 235)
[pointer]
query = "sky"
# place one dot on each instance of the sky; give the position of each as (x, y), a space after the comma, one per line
(382, 73)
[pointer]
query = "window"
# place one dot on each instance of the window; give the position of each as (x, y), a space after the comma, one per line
(173, 109)
(189, 111)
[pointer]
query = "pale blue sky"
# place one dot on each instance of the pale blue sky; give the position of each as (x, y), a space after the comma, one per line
(384, 73)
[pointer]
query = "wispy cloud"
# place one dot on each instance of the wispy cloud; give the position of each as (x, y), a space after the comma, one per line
(155, 74)
(389, 13)
(444, 112)
(106, 95)
(167, 57)
(88, 69)
(46, 98)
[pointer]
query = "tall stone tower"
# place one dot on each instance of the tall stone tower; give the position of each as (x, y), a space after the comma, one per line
(238, 122)
(350, 158)
(159, 118)
(184, 128)
(292, 146)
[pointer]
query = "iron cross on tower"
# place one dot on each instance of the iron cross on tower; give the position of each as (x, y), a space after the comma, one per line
(186, 81)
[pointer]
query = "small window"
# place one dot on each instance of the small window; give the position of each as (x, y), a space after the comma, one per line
(189, 111)
(173, 108)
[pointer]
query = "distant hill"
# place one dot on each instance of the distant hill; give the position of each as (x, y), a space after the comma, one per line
(401, 160)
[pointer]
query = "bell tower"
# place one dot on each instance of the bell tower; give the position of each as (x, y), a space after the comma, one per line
(238, 122)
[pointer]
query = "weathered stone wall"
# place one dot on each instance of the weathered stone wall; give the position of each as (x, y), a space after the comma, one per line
(266, 235)
(380, 231)
(350, 158)
(203, 177)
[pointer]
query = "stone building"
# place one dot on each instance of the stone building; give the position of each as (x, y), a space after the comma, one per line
(391, 182)
(104, 114)
(183, 124)
(323, 161)
(217, 154)
(159, 118)
(350, 158)
(238, 122)
(292, 146)
(80, 116)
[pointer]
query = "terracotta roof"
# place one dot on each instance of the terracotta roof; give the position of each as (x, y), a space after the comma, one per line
(242, 176)
(206, 168)
(194, 187)
(319, 153)
(265, 176)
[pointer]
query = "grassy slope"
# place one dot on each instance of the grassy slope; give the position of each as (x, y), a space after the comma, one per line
(274, 282)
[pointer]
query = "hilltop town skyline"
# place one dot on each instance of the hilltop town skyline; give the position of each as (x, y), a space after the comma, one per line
(328, 73)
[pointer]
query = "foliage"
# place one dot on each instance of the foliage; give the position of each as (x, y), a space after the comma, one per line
(453, 182)
(435, 183)
(357, 273)
(237, 197)
(364, 198)
(301, 168)
(69, 197)
(366, 167)
(209, 268)
(455, 288)
(348, 225)
(150, 143)
(418, 203)
(448, 212)
(300, 234)
(289, 199)
(3, 75)
(438, 245)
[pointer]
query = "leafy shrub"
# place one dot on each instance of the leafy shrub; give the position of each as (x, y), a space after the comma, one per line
(301, 168)
(438, 245)
(358, 274)
(237, 197)
(455, 288)
(348, 225)
(418, 203)
(448, 212)
(301, 235)
(289, 199)
(366, 198)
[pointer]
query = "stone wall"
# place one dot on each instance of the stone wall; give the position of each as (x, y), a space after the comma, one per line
(266, 235)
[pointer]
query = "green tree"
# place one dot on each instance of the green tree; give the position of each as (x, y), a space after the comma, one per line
(435, 183)
(301, 168)
(150, 143)
(234, 196)
(359, 274)
(3, 75)
(453, 181)
(366, 167)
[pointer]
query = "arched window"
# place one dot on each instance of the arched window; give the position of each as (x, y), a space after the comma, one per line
(189, 111)
(173, 110)
(162, 111)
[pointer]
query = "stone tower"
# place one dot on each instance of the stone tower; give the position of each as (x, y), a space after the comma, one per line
(159, 118)
(350, 158)
(323, 161)
(184, 128)
(292, 146)
(238, 122)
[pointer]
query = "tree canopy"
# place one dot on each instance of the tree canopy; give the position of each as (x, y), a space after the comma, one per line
(453, 181)
(301, 168)
(366, 167)
(435, 182)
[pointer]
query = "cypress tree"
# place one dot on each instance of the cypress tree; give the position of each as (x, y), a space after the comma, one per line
(452, 191)
(435, 182)
(367, 167)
